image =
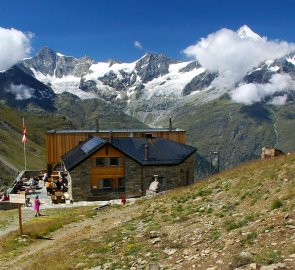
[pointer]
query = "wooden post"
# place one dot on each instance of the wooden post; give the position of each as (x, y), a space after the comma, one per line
(20, 219)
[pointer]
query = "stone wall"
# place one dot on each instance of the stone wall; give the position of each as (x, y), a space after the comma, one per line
(170, 176)
(138, 178)
(80, 180)
(133, 178)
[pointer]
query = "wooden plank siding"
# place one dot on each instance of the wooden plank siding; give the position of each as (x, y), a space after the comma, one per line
(113, 172)
(57, 144)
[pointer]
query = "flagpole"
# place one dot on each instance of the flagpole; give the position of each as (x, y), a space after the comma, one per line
(24, 141)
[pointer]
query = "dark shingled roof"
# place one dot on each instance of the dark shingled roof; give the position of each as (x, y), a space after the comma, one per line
(161, 151)
(76, 155)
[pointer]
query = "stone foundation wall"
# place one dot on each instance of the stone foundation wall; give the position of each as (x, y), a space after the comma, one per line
(80, 180)
(170, 176)
(138, 178)
(133, 178)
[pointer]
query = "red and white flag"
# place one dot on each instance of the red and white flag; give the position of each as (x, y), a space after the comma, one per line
(24, 133)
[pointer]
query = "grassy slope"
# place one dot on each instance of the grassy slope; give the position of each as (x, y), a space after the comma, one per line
(83, 113)
(237, 131)
(247, 209)
(78, 115)
(11, 147)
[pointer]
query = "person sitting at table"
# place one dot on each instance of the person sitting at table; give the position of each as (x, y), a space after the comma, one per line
(45, 177)
(35, 181)
(5, 197)
(48, 186)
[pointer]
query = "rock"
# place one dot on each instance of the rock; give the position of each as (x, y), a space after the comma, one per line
(93, 255)
(211, 268)
(253, 266)
(245, 254)
(219, 262)
(155, 240)
(278, 266)
(170, 251)
(79, 265)
(154, 234)
(186, 252)
(287, 216)
(97, 268)
(153, 266)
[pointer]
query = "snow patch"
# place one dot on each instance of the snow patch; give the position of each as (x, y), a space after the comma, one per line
(274, 69)
(291, 60)
(170, 84)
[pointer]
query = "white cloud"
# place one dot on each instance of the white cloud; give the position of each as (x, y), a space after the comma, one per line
(254, 92)
(279, 100)
(138, 45)
(14, 46)
(232, 56)
(21, 91)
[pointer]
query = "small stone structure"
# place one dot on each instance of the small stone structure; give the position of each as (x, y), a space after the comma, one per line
(268, 152)
(154, 187)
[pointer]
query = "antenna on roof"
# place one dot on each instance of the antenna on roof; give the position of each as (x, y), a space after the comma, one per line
(97, 125)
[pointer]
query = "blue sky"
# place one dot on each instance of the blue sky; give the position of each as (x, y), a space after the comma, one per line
(108, 29)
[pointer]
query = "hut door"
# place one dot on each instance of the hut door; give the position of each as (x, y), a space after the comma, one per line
(187, 180)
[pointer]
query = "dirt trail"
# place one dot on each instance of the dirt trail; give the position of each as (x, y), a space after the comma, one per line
(78, 230)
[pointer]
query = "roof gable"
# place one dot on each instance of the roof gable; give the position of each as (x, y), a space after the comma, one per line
(82, 151)
(161, 151)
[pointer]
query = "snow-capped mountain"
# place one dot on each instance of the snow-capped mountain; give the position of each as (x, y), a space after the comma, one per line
(154, 79)
(247, 33)
(236, 119)
(149, 88)
(153, 74)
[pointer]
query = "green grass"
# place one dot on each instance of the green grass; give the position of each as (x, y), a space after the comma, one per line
(232, 224)
(40, 228)
(277, 203)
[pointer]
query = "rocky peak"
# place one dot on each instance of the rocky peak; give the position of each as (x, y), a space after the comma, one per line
(151, 66)
(48, 62)
(246, 33)
(46, 52)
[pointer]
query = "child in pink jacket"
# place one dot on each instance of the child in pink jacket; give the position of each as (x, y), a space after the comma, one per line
(37, 206)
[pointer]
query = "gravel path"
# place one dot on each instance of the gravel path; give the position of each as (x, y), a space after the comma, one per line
(28, 212)
(79, 230)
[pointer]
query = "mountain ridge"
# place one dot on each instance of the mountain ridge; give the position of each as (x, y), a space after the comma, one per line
(155, 88)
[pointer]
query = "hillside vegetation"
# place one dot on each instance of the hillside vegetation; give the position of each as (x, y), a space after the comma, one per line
(11, 146)
(243, 217)
(238, 132)
(38, 122)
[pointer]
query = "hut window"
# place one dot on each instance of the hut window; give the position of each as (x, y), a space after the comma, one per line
(99, 162)
(107, 183)
(121, 182)
(114, 161)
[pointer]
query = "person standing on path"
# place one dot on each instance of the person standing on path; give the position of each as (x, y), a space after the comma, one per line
(37, 206)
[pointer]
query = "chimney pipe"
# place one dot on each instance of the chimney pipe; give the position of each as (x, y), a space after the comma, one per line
(111, 136)
(146, 152)
(170, 124)
(97, 125)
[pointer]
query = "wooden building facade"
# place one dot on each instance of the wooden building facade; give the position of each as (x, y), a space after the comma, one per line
(101, 169)
(59, 142)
